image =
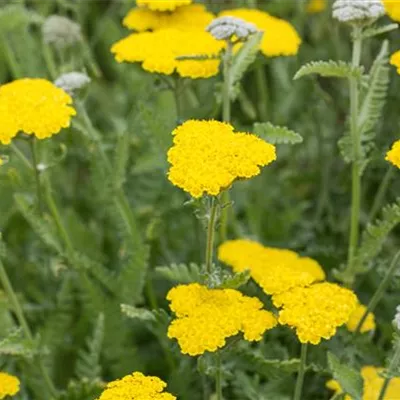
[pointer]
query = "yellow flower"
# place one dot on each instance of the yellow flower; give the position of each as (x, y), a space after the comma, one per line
(316, 6)
(207, 156)
(162, 5)
(393, 155)
(194, 16)
(315, 311)
(392, 9)
(275, 270)
(158, 52)
(280, 38)
(355, 317)
(373, 383)
(136, 387)
(207, 317)
(9, 385)
(395, 60)
(33, 106)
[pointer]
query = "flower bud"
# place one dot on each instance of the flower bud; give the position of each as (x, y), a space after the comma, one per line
(356, 11)
(72, 82)
(223, 28)
(61, 31)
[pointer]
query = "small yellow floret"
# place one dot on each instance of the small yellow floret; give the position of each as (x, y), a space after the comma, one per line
(316, 6)
(9, 385)
(33, 106)
(395, 60)
(373, 383)
(158, 52)
(207, 317)
(392, 9)
(193, 16)
(275, 270)
(355, 317)
(393, 155)
(315, 311)
(279, 39)
(136, 387)
(162, 5)
(207, 157)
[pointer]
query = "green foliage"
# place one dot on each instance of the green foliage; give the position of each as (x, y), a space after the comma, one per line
(276, 134)
(137, 313)
(331, 69)
(349, 379)
(378, 30)
(15, 344)
(181, 273)
(83, 389)
(235, 281)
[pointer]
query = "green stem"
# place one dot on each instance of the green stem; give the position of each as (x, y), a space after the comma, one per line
(302, 370)
(21, 156)
(177, 89)
(262, 91)
(12, 62)
(380, 194)
(5, 281)
(379, 291)
(212, 219)
(33, 146)
(49, 60)
(356, 172)
(390, 371)
(218, 376)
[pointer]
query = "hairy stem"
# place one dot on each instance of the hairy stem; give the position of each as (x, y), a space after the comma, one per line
(212, 219)
(33, 146)
(218, 376)
(379, 291)
(302, 370)
(356, 171)
(394, 362)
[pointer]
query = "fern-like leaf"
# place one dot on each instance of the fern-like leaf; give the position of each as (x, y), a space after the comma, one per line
(236, 280)
(88, 364)
(15, 344)
(333, 69)
(276, 134)
(137, 313)
(84, 389)
(181, 273)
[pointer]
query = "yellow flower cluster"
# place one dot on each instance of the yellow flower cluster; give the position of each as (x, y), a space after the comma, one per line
(207, 156)
(158, 52)
(33, 106)
(191, 17)
(9, 385)
(393, 155)
(162, 5)
(373, 383)
(136, 387)
(279, 39)
(275, 270)
(395, 60)
(207, 317)
(355, 317)
(392, 9)
(315, 311)
(316, 6)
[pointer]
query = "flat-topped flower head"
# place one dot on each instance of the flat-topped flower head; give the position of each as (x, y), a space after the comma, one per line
(163, 5)
(208, 156)
(316, 6)
(356, 11)
(372, 385)
(392, 8)
(395, 60)
(35, 107)
(71, 82)
(61, 31)
(207, 317)
(226, 28)
(393, 155)
(280, 37)
(9, 385)
(355, 317)
(191, 17)
(158, 52)
(136, 387)
(275, 270)
(315, 312)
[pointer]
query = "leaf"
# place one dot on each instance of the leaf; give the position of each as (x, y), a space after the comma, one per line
(243, 59)
(349, 379)
(15, 344)
(88, 364)
(276, 134)
(121, 157)
(334, 69)
(137, 313)
(181, 273)
(84, 389)
(236, 280)
(378, 30)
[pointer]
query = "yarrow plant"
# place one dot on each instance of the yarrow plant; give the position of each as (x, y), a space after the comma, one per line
(9, 385)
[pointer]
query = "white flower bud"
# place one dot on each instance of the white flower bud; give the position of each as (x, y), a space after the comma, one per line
(396, 321)
(72, 81)
(223, 28)
(61, 31)
(358, 10)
